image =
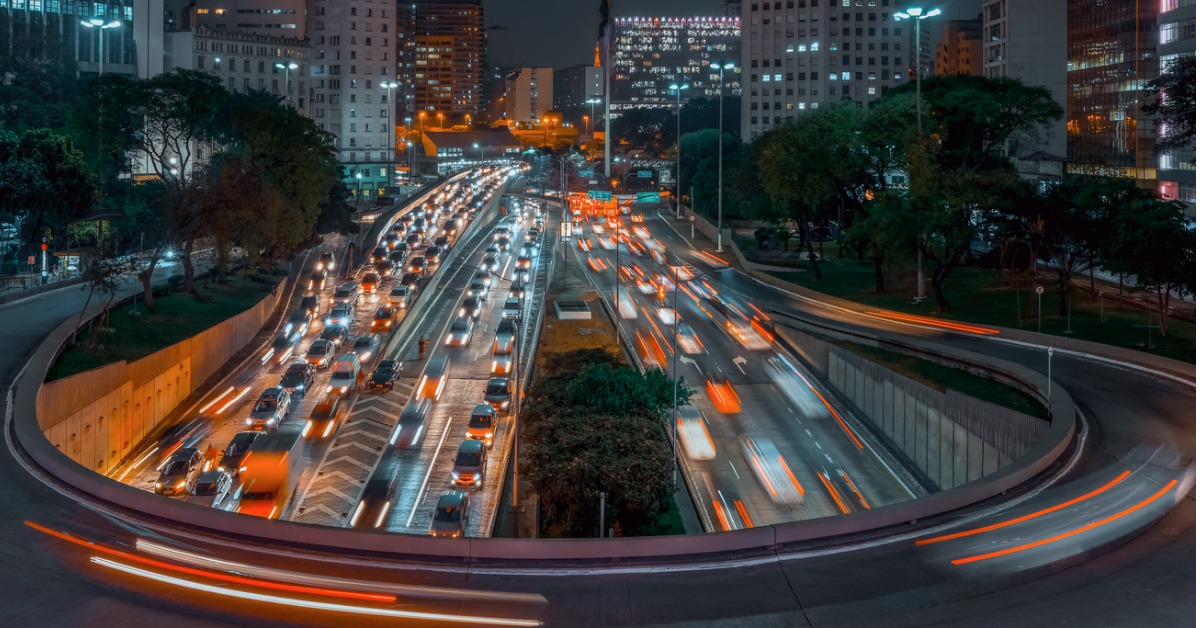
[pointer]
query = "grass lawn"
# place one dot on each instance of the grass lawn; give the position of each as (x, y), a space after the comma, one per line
(946, 377)
(982, 296)
(136, 333)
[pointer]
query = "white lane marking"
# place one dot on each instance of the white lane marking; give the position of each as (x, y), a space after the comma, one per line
(425, 482)
(830, 459)
(809, 433)
(818, 444)
(735, 473)
(738, 361)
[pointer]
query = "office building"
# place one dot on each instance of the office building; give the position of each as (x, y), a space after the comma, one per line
(574, 86)
(651, 53)
(245, 62)
(441, 50)
(280, 18)
(1112, 51)
(528, 93)
(960, 50)
(797, 56)
(51, 30)
(1027, 40)
(352, 56)
(1177, 37)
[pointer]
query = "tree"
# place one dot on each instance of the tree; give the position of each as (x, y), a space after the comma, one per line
(1174, 93)
(43, 177)
(37, 76)
(593, 424)
(1150, 238)
(337, 214)
(103, 274)
(103, 127)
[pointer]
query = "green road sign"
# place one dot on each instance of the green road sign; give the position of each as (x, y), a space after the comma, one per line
(645, 174)
(647, 197)
(600, 195)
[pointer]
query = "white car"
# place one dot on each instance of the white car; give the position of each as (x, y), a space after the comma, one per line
(692, 431)
(772, 471)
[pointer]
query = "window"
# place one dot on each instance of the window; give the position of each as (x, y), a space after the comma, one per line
(845, 76)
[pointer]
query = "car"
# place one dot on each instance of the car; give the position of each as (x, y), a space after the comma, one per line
(450, 227)
(692, 431)
(370, 282)
(213, 489)
(492, 249)
(346, 373)
(503, 243)
(521, 276)
(316, 280)
(323, 420)
(297, 322)
(412, 280)
(460, 332)
(298, 379)
(178, 474)
(312, 303)
(320, 352)
(433, 254)
(391, 240)
(482, 424)
(470, 464)
(385, 268)
(497, 394)
(270, 409)
(325, 262)
(410, 427)
(502, 363)
(433, 380)
(484, 276)
(399, 255)
(335, 334)
(516, 291)
(366, 346)
(417, 265)
(379, 254)
(529, 250)
(524, 262)
(767, 463)
(184, 435)
(341, 314)
(384, 319)
(471, 308)
(442, 242)
(490, 263)
(451, 515)
(377, 497)
(689, 342)
(231, 460)
(512, 308)
(477, 289)
(412, 240)
(384, 375)
(400, 296)
(346, 293)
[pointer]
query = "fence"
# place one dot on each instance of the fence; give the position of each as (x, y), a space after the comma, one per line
(951, 438)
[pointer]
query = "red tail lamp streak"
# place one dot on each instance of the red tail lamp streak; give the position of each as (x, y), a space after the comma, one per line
(721, 515)
(762, 473)
(768, 336)
(1033, 515)
(212, 575)
(933, 322)
(1080, 530)
(741, 508)
(760, 312)
(711, 259)
(862, 500)
(837, 499)
(724, 397)
(837, 416)
(788, 470)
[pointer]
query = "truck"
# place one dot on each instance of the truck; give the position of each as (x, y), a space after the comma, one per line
(269, 474)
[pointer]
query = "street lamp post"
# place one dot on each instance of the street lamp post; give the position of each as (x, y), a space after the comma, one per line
(592, 102)
(287, 71)
(440, 117)
(917, 14)
(358, 190)
(1040, 290)
(675, 383)
(100, 24)
(391, 178)
(678, 89)
(720, 67)
(480, 153)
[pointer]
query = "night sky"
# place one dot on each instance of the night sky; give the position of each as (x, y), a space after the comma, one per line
(561, 33)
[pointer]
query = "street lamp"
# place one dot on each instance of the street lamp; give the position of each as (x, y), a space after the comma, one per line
(720, 67)
(476, 145)
(389, 86)
(440, 117)
(592, 102)
(358, 190)
(678, 89)
(102, 25)
(917, 14)
(287, 70)
(411, 159)
(421, 120)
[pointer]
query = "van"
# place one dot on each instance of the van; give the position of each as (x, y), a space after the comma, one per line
(346, 373)
(482, 425)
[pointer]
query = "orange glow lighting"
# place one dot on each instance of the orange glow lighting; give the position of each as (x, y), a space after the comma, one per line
(933, 322)
(741, 508)
(837, 499)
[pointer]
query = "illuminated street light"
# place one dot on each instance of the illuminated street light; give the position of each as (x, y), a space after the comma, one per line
(678, 89)
(287, 71)
(103, 26)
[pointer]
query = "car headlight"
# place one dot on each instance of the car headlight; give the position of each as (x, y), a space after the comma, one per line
(488, 435)
(158, 485)
(453, 476)
(181, 484)
(249, 421)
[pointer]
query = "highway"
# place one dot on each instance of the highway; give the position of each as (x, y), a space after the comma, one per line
(774, 450)
(1148, 580)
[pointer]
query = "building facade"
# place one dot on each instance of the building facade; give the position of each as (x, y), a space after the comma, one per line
(51, 29)
(352, 56)
(441, 56)
(1177, 38)
(960, 50)
(1112, 51)
(798, 55)
(245, 62)
(280, 18)
(1026, 40)
(528, 93)
(574, 86)
(652, 53)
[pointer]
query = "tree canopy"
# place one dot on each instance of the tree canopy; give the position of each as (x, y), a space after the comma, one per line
(1174, 93)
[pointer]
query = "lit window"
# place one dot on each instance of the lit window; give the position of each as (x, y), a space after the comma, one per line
(833, 76)
(845, 76)
(778, 77)
(871, 91)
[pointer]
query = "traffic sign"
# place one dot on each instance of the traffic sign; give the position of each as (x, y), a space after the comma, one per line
(585, 173)
(600, 195)
(647, 197)
(645, 174)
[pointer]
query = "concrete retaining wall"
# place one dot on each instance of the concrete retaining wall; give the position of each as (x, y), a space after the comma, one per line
(97, 417)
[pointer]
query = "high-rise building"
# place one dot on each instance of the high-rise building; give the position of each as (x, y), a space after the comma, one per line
(1027, 40)
(45, 31)
(441, 52)
(244, 62)
(654, 52)
(528, 93)
(1112, 51)
(1177, 38)
(352, 56)
(960, 50)
(281, 18)
(796, 58)
(574, 86)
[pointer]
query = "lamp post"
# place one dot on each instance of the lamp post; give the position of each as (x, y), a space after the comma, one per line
(592, 102)
(411, 158)
(678, 89)
(720, 67)
(441, 117)
(420, 120)
(476, 146)
(389, 86)
(287, 71)
(408, 144)
(1040, 290)
(100, 24)
(917, 14)
(358, 190)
